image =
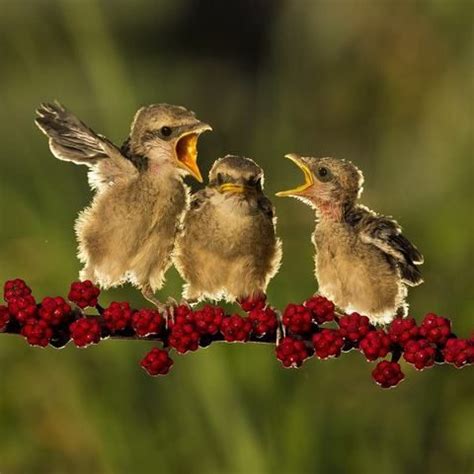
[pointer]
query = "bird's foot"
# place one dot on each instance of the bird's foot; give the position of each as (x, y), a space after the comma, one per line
(170, 305)
(162, 308)
(281, 330)
(187, 302)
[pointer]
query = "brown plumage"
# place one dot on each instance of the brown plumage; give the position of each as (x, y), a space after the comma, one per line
(363, 261)
(128, 231)
(228, 248)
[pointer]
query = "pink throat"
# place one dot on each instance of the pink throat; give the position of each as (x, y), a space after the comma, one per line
(329, 210)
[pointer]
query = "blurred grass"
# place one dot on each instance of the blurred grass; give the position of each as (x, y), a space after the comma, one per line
(386, 84)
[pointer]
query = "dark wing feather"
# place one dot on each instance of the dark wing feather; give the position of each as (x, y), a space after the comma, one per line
(199, 198)
(386, 234)
(266, 207)
(72, 140)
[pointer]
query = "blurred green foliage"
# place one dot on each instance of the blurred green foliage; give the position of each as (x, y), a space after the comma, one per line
(387, 84)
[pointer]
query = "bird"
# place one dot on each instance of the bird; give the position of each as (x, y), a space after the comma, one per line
(127, 233)
(228, 248)
(363, 262)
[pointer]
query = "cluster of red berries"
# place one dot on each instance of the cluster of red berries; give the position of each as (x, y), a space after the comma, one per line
(118, 316)
(54, 321)
(84, 294)
(388, 374)
(322, 309)
(354, 327)
(264, 321)
(375, 345)
(298, 319)
(146, 322)
(292, 352)
(188, 327)
(85, 331)
(157, 362)
(328, 343)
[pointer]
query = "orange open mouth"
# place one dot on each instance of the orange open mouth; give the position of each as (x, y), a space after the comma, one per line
(186, 152)
(308, 177)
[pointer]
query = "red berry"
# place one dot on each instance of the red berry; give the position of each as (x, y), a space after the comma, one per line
(376, 344)
(4, 317)
(183, 333)
(22, 308)
(354, 327)
(14, 289)
(85, 331)
(118, 316)
(37, 333)
(147, 321)
(298, 319)
(322, 308)
(402, 330)
(459, 352)
(292, 352)
(328, 343)
(83, 293)
(54, 310)
(387, 374)
(420, 353)
(157, 362)
(435, 328)
(253, 302)
(263, 321)
(235, 328)
(208, 320)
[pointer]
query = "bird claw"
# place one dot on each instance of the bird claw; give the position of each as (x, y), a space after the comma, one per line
(281, 330)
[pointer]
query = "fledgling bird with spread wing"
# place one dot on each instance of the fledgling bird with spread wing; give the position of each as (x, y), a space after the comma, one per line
(228, 247)
(128, 232)
(363, 261)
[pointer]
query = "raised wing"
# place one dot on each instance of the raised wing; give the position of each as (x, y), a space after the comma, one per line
(72, 140)
(386, 234)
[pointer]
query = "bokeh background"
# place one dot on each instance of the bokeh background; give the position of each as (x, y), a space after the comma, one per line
(387, 84)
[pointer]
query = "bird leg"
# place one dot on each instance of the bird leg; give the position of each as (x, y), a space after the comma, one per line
(281, 330)
(171, 304)
(163, 308)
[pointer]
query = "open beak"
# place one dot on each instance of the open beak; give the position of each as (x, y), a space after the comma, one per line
(232, 188)
(308, 177)
(186, 149)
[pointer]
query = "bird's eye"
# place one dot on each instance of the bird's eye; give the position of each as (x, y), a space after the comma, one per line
(253, 181)
(220, 179)
(166, 131)
(323, 173)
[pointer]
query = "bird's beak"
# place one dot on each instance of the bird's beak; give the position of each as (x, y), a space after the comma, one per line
(186, 149)
(308, 177)
(232, 188)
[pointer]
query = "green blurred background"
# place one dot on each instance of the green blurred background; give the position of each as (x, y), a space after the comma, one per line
(387, 84)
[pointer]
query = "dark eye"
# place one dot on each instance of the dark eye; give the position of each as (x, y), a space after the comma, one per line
(220, 179)
(323, 173)
(166, 131)
(253, 181)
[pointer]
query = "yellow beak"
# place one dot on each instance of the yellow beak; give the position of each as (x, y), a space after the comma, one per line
(308, 177)
(232, 188)
(186, 151)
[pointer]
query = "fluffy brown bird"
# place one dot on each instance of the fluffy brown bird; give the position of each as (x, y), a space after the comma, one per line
(363, 262)
(129, 230)
(228, 248)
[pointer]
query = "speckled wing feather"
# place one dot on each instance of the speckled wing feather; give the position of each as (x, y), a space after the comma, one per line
(386, 234)
(72, 140)
(199, 198)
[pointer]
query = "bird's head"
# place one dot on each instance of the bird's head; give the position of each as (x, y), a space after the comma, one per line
(236, 175)
(167, 135)
(330, 183)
